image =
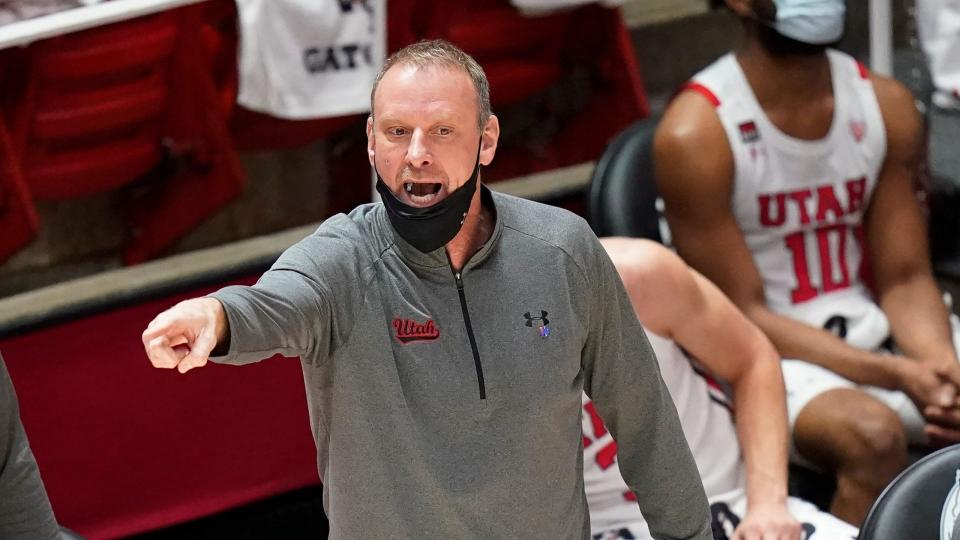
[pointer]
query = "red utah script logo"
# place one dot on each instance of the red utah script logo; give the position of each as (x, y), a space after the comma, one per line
(409, 330)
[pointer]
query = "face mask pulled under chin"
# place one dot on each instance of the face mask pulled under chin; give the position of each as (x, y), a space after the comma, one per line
(431, 227)
(814, 22)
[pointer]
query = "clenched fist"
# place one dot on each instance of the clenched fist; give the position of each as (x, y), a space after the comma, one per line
(183, 336)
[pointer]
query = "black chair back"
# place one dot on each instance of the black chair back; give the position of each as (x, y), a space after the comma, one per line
(622, 196)
(922, 503)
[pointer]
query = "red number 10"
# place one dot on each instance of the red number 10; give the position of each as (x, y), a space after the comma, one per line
(805, 290)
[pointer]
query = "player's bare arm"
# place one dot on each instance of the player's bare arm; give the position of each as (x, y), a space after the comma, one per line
(675, 302)
(897, 237)
(694, 170)
(184, 336)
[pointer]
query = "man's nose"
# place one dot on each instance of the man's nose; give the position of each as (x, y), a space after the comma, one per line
(418, 152)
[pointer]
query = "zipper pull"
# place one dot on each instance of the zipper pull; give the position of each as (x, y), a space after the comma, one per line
(456, 277)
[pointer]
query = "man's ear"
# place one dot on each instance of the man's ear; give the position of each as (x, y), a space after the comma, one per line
(488, 140)
(371, 141)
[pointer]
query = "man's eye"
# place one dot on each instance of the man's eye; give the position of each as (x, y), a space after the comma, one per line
(397, 131)
(444, 131)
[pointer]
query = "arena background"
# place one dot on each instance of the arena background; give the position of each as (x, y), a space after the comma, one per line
(70, 306)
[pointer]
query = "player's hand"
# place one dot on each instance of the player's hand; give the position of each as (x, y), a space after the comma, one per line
(183, 336)
(927, 385)
(939, 435)
(768, 522)
(948, 369)
(935, 395)
(943, 427)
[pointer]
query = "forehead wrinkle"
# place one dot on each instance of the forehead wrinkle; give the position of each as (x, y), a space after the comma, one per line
(454, 84)
(431, 114)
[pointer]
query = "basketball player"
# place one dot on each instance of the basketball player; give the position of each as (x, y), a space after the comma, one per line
(782, 165)
(697, 334)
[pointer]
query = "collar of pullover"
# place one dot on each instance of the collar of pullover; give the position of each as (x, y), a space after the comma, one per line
(438, 257)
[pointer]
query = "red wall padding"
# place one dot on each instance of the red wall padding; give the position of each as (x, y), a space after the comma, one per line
(125, 448)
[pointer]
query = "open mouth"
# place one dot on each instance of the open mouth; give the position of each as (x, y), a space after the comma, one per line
(422, 193)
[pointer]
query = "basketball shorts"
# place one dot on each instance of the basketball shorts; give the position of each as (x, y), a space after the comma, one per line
(805, 381)
(727, 511)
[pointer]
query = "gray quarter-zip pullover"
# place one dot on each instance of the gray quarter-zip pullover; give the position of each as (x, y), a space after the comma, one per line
(448, 406)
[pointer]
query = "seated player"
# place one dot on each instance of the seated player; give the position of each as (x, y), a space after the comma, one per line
(697, 333)
(781, 166)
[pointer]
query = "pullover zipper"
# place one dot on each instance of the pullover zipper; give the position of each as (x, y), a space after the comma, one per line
(473, 341)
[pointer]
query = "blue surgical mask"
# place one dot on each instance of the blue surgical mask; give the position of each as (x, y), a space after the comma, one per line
(817, 22)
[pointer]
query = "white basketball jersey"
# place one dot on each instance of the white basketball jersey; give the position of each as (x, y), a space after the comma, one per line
(705, 414)
(310, 58)
(801, 203)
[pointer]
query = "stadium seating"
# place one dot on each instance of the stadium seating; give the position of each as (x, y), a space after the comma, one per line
(124, 103)
(586, 49)
(18, 218)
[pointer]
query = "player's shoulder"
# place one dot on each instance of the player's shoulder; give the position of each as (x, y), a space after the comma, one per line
(649, 266)
(693, 114)
(645, 258)
(691, 132)
(899, 112)
(892, 96)
(659, 282)
(690, 118)
(691, 148)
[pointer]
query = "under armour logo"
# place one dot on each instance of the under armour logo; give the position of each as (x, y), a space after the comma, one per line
(543, 328)
(542, 318)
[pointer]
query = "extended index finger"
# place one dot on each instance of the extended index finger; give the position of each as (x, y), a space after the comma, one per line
(159, 326)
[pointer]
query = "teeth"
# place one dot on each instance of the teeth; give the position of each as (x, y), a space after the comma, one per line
(408, 186)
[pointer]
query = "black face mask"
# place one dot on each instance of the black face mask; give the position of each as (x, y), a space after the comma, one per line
(432, 227)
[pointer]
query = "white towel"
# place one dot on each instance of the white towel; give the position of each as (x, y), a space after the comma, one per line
(939, 23)
(542, 7)
(15, 10)
(310, 58)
